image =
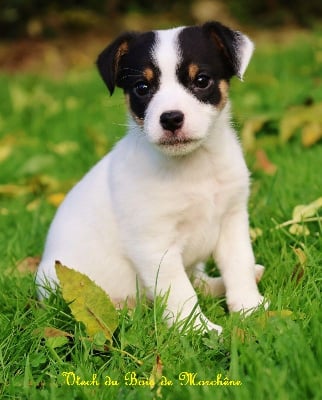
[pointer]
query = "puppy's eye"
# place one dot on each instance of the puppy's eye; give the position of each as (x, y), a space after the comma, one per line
(202, 81)
(142, 88)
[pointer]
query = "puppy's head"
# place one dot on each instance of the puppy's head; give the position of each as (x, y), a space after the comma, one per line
(176, 81)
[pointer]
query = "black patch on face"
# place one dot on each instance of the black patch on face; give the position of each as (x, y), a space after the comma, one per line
(132, 77)
(201, 48)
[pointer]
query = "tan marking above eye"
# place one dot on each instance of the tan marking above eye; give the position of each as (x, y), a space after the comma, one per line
(148, 74)
(193, 70)
(123, 49)
(223, 87)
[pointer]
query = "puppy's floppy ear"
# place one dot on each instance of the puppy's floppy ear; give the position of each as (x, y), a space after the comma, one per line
(109, 60)
(236, 46)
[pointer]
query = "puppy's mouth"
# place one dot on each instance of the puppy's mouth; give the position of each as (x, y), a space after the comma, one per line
(175, 141)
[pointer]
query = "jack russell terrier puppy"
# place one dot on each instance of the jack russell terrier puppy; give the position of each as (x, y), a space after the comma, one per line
(174, 190)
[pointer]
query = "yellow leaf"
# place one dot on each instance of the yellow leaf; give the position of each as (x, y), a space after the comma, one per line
(14, 190)
(5, 152)
(88, 302)
(299, 230)
(55, 199)
(282, 313)
(301, 212)
(33, 205)
(300, 255)
(263, 319)
(249, 130)
(20, 99)
(311, 133)
(297, 117)
(255, 233)
(65, 148)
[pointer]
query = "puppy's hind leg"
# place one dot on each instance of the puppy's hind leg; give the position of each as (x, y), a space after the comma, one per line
(215, 286)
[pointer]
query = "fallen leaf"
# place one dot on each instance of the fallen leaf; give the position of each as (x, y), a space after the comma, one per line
(301, 215)
(14, 190)
(311, 133)
(299, 269)
(28, 265)
(300, 255)
(88, 302)
(299, 230)
(301, 212)
(239, 334)
(55, 199)
(263, 319)
(49, 331)
(250, 129)
(5, 152)
(297, 117)
(281, 313)
(36, 164)
(64, 148)
(264, 164)
(20, 98)
(33, 205)
(255, 233)
(156, 373)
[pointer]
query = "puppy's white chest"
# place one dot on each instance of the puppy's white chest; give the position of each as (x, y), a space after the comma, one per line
(199, 225)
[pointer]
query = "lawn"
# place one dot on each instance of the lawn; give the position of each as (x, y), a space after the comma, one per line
(51, 133)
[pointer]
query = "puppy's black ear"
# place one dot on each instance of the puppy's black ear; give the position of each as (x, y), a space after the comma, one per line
(109, 60)
(236, 46)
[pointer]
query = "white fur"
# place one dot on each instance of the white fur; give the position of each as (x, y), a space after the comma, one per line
(150, 215)
(245, 49)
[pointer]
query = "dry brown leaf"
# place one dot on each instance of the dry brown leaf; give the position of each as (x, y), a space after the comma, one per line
(300, 255)
(299, 269)
(264, 164)
(28, 265)
(156, 373)
(49, 331)
(239, 333)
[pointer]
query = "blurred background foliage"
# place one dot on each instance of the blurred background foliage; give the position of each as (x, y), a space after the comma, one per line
(38, 18)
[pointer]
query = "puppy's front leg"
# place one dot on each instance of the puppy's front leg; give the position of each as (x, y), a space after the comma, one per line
(236, 262)
(166, 274)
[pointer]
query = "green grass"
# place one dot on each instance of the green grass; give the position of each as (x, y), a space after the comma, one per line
(52, 133)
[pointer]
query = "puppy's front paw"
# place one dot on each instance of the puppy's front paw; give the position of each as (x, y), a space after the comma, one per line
(203, 323)
(247, 303)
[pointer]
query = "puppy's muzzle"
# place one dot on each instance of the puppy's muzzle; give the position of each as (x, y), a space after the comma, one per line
(172, 120)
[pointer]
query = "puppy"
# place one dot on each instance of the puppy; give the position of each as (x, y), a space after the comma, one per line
(174, 190)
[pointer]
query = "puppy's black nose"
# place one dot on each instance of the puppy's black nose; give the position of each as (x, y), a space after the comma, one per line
(171, 120)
